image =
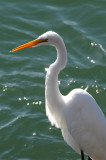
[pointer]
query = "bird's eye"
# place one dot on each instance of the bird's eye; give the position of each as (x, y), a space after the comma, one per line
(43, 40)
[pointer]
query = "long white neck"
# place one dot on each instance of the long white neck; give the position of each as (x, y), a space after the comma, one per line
(52, 92)
(55, 68)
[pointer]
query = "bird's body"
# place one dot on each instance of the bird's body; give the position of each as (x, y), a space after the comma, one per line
(77, 114)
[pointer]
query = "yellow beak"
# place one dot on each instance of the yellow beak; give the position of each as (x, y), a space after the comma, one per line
(29, 44)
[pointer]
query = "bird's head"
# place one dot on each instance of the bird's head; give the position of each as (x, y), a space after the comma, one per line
(49, 37)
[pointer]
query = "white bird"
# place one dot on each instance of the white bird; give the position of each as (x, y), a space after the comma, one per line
(82, 123)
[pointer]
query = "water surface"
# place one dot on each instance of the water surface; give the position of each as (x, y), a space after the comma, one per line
(25, 132)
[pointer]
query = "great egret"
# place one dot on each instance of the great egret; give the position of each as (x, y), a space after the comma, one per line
(82, 123)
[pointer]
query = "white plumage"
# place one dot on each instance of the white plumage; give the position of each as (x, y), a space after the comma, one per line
(82, 123)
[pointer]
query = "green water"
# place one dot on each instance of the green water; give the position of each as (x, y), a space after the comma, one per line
(25, 132)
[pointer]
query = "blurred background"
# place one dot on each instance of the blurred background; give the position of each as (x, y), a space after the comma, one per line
(25, 132)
